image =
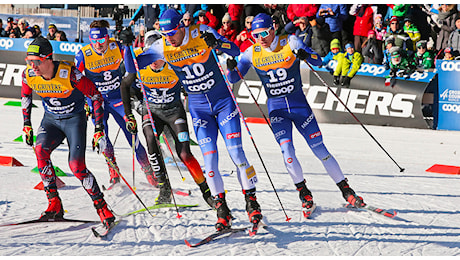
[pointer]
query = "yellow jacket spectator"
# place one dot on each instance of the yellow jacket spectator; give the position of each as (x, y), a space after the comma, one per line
(348, 64)
(412, 31)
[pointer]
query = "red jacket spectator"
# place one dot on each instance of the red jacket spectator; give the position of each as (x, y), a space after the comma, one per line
(364, 19)
(247, 40)
(302, 10)
(235, 12)
(228, 30)
(205, 17)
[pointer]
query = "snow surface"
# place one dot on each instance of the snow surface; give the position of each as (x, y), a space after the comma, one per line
(427, 203)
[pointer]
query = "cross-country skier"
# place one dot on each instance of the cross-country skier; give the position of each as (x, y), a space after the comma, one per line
(102, 63)
(273, 58)
(62, 89)
(188, 51)
(162, 89)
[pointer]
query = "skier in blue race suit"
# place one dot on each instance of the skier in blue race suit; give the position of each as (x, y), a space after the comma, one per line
(274, 60)
(189, 52)
(102, 63)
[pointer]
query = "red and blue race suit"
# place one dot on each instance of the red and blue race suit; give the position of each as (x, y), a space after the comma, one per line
(63, 98)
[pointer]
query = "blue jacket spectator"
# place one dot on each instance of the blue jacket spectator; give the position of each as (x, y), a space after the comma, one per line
(150, 13)
(334, 15)
(301, 28)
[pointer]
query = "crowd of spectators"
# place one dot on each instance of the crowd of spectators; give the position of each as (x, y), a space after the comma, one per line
(20, 28)
(423, 32)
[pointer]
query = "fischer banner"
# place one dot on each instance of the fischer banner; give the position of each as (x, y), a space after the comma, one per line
(367, 97)
(449, 95)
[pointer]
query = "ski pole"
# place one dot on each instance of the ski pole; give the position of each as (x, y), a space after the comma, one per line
(253, 98)
(353, 115)
(133, 145)
(151, 120)
(127, 184)
(247, 128)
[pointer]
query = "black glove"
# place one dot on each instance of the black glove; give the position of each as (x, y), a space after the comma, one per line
(231, 64)
(346, 81)
(302, 54)
(126, 36)
(336, 80)
(210, 39)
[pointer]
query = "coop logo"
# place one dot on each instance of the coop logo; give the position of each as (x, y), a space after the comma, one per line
(451, 108)
(69, 47)
(418, 76)
(6, 43)
(371, 69)
(27, 43)
(450, 66)
(363, 101)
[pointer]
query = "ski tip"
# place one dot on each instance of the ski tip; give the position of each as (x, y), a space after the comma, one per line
(187, 243)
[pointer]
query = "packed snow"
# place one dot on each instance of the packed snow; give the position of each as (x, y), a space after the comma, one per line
(427, 203)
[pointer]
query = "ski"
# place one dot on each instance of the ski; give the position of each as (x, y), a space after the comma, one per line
(308, 212)
(60, 220)
(176, 191)
(159, 206)
(111, 186)
(255, 227)
(215, 235)
(373, 210)
(105, 232)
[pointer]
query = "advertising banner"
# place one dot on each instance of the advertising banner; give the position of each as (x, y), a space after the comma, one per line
(449, 95)
(66, 24)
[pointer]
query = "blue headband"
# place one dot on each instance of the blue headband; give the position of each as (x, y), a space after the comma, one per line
(97, 33)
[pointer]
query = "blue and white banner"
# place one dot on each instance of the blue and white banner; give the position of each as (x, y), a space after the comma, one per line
(66, 24)
(21, 45)
(449, 95)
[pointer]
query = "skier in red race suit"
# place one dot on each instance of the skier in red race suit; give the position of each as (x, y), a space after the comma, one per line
(62, 89)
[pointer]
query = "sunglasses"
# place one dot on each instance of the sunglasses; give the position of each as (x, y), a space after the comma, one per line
(100, 40)
(170, 32)
(262, 34)
(421, 47)
(37, 62)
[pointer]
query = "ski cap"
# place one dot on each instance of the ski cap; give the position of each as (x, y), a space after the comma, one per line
(349, 45)
(98, 32)
(150, 37)
(262, 20)
(40, 47)
(170, 20)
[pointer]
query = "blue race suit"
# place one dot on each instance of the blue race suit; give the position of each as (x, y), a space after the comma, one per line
(279, 70)
(106, 71)
(210, 103)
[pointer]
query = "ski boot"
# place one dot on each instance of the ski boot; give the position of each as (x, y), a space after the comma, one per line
(54, 210)
(305, 195)
(165, 190)
(114, 177)
(349, 195)
(224, 218)
(206, 193)
(150, 176)
(104, 213)
(252, 206)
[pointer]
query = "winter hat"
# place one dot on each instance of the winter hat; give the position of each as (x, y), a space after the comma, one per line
(226, 18)
(262, 20)
(335, 43)
(40, 47)
(421, 43)
(378, 18)
(395, 50)
(349, 45)
(150, 37)
(370, 32)
(390, 40)
(393, 19)
(448, 50)
(170, 20)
